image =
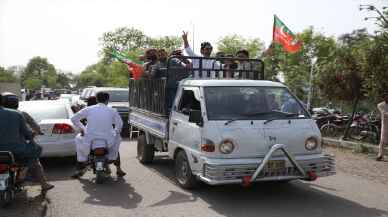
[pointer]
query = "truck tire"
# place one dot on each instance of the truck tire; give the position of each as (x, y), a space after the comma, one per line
(183, 173)
(145, 152)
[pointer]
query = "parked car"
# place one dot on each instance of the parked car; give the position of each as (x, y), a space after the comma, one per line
(53, 118)
(68, 97)
(86, 93)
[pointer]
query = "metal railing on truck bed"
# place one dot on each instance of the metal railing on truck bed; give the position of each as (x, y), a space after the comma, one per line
(150, 93)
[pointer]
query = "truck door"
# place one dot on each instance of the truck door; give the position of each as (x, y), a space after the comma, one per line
(182, 132)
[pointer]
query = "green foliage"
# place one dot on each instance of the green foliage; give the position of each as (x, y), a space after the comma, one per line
(169, 43)
(39, 68)
(7, 75)
(296, 67)
(131, 40)
(94, 75)
(124, 39)
(233, 43)
(33, 83)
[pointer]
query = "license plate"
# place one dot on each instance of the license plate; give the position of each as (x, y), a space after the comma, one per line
(275, 164)
(99, 166)
(3, 179)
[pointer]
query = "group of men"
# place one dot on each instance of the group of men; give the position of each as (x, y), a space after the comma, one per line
(97, 122)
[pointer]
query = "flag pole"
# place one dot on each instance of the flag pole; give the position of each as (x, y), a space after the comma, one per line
(272, 46)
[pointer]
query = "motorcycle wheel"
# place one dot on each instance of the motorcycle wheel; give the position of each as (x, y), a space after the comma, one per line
(99, 177)
(6, 197)
(329, 130)
(355, 133)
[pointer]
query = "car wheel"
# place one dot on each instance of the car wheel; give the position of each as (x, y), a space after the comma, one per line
(183, 173)
(145, 152)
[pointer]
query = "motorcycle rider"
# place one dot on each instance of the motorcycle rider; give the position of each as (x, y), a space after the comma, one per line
(100, 121)
(15, 133)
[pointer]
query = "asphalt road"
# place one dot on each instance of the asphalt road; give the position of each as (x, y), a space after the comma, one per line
(152, 191)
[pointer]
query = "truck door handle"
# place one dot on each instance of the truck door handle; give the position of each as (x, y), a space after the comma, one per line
(175, 123)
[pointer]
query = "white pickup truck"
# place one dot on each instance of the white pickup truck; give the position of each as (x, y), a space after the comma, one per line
(224, 131)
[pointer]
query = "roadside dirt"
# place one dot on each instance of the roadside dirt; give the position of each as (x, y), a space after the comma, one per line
(358, 164)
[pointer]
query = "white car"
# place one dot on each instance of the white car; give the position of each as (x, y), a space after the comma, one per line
(53, 117)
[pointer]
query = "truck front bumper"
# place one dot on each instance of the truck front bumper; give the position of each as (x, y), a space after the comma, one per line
(232, 171)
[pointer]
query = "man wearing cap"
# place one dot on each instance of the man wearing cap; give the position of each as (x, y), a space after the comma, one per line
(383, 108)
(206, 50)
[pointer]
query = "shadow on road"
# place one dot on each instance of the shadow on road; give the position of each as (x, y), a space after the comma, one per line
(26, 205)
(58, 169)
(121, 193)
(265, 199)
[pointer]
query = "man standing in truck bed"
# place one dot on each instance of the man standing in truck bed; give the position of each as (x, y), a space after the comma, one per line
(206, 50)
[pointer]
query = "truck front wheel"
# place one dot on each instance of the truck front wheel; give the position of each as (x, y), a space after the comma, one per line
(145, 152)
(183, 173)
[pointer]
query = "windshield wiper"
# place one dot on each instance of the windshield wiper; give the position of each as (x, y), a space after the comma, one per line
(256, 113)
(230, 121)
(287, 114)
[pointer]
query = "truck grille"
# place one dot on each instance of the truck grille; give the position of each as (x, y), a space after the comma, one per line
(231, 172)
(323, 166)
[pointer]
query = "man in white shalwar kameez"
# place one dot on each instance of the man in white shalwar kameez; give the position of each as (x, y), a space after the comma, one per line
(99, 131)
(383, 108)
(207, 64)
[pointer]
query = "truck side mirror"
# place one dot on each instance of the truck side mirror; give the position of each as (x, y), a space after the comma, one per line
(196, 117)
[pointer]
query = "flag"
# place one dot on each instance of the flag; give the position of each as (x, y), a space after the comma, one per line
(135, 69)
(284, 36)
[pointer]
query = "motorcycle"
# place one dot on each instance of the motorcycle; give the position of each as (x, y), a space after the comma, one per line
(10, 172)
(98, 160)
(365, 128)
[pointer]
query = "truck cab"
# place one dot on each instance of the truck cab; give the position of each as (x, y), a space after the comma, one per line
(224, 131)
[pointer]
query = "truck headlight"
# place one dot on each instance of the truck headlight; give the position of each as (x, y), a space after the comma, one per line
(311, 143)
(226, 146)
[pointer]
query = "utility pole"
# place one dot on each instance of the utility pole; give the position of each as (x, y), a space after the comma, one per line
(313, 60)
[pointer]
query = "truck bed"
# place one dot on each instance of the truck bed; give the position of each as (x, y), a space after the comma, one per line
(152, 123)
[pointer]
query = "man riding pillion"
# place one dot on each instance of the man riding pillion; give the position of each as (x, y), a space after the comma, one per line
(100, 121)
(15, 134)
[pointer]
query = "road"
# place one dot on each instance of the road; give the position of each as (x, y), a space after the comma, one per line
(152, 191)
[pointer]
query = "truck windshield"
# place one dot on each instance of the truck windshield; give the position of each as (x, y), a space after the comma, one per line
(252, 103)
(118, 95)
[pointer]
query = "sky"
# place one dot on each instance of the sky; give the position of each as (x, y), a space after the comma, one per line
(66, 32)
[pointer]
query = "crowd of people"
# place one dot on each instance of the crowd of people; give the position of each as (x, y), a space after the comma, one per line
(202, 65)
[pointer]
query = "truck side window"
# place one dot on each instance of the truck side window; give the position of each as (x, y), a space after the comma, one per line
(188, 102)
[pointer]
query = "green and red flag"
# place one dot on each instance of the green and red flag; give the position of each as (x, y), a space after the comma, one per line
(283, 35)
(135, 69)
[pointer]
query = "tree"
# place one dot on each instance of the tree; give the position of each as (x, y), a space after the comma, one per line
(7, 76)
(124, 40)
(296, 67)
(376, 56)
(169, 43)
(233, 43)
(345, 75)
(94, 75)
(39, 68)
(63, 80)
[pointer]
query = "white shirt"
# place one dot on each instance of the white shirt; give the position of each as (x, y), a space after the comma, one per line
(206, 64)
(100, 120)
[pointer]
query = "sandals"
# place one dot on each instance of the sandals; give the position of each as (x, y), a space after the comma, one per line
(379, 158)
